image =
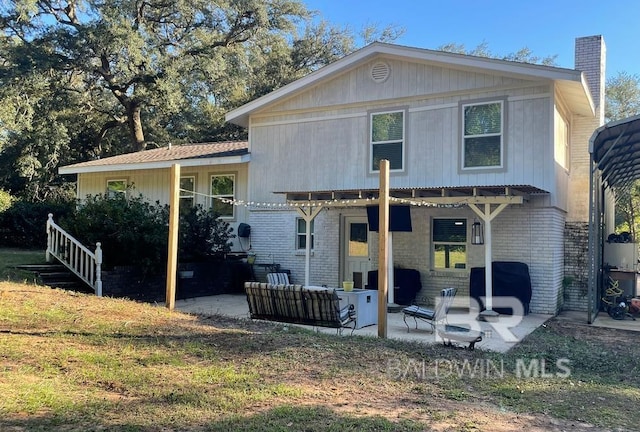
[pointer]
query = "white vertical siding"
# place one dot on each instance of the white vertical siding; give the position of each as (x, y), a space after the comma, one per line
(331, 151)
(153, 185)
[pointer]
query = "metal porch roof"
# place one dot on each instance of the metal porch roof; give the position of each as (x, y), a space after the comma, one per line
(615, 149)
(448, 195)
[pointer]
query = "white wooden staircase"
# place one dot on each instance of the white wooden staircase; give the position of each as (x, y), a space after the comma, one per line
(76, 258)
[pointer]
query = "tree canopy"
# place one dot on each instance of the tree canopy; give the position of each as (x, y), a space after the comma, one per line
(81, 79)
(622, 96)
(622, 101)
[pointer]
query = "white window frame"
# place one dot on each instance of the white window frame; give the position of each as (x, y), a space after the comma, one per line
(214, 197)
(300, 235)
(185, 194)
(111, 193)
(402, 140)
(436, 243)
(501, 134)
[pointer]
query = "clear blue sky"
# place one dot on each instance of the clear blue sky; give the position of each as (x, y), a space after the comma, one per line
(547, 27)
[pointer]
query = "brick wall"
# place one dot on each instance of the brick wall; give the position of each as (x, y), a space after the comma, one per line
(526, 233)
(590, 58)
(273, 239)
(590, 53)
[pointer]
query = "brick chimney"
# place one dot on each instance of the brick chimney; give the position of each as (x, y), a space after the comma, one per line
(590, 59)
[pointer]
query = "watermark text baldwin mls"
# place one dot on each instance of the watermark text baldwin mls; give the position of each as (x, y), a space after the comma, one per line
(476, 368)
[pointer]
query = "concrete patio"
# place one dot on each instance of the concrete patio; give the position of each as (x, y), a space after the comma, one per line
(499, 336)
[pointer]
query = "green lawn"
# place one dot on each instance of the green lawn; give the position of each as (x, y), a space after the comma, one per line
(9, 258)
(76, 362)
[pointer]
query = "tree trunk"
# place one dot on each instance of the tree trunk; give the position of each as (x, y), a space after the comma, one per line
(135, 126)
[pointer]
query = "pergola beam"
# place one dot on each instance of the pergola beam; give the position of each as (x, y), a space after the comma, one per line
(448, 200)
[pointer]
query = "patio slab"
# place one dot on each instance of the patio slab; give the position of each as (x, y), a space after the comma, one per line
(499, 336)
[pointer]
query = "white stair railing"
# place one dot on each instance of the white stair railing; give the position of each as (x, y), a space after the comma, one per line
(73, 255)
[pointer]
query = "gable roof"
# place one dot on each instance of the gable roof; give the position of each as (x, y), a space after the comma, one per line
(571, 83)
(217, 153)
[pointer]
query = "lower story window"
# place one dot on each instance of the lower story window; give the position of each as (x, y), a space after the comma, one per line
(187, 192)
(116, 188)
(301, 234)
(449, 243)
(223, 191)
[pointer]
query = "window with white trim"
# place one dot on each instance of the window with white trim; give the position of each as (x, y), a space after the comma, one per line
(187, 192)
(483, 135)
(449, 243)
(301, 233)
(387, 138)
(116, 187)
(223, 186)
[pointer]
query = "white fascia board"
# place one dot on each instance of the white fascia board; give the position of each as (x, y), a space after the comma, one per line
(227, 160)
(240, 115)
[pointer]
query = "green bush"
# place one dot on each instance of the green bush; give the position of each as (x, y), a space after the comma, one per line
(134, 232)
(131, 230)
(24, 223)
(202, 234)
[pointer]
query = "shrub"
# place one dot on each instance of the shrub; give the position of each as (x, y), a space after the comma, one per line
(203, 234)
(134, 232)
(24, 223)
(131, 230)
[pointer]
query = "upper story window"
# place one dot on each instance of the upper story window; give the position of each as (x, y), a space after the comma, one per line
(483, 135)
(117, 187)
(387, 139)
(187, 192)
(223, 186)
(449, 243)
(301, 234)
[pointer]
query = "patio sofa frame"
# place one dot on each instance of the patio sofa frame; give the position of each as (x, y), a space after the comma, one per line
(297, 304)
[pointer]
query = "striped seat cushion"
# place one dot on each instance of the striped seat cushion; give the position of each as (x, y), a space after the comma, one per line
(278, 278)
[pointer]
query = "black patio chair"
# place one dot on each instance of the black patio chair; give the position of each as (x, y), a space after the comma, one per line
(431, 316)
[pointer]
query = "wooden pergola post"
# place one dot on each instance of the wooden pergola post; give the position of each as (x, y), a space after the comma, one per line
(383, 248)
(172, 258)
(487, 217)
(308, 216)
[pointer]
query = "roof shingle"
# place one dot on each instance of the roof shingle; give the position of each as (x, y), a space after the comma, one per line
(172, 153)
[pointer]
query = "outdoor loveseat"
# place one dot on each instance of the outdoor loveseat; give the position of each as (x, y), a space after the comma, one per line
(296, 304)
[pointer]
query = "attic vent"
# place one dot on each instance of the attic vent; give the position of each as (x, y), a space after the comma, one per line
(380, 72)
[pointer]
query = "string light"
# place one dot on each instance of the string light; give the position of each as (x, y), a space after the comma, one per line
(325, 203)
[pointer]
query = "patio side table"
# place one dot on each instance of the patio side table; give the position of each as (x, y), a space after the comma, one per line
(365, 303)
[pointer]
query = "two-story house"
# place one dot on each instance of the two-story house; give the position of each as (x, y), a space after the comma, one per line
(469, 140)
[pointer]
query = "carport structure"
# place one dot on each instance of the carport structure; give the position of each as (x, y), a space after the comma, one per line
(615, 164)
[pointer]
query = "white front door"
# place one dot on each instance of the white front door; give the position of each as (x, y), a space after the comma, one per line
(356, 251)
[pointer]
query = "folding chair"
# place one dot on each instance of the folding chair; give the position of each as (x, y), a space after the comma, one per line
(431, 316)
(278, 278)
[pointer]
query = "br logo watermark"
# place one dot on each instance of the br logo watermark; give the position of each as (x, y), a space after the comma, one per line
(502, 326)
(540, 368)
(477, 369)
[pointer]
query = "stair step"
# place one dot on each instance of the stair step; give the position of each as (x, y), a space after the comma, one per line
(63, 284)
(56, 274)
(41, 267)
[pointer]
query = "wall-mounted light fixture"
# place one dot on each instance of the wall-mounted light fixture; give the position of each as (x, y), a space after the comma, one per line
(477, 233)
